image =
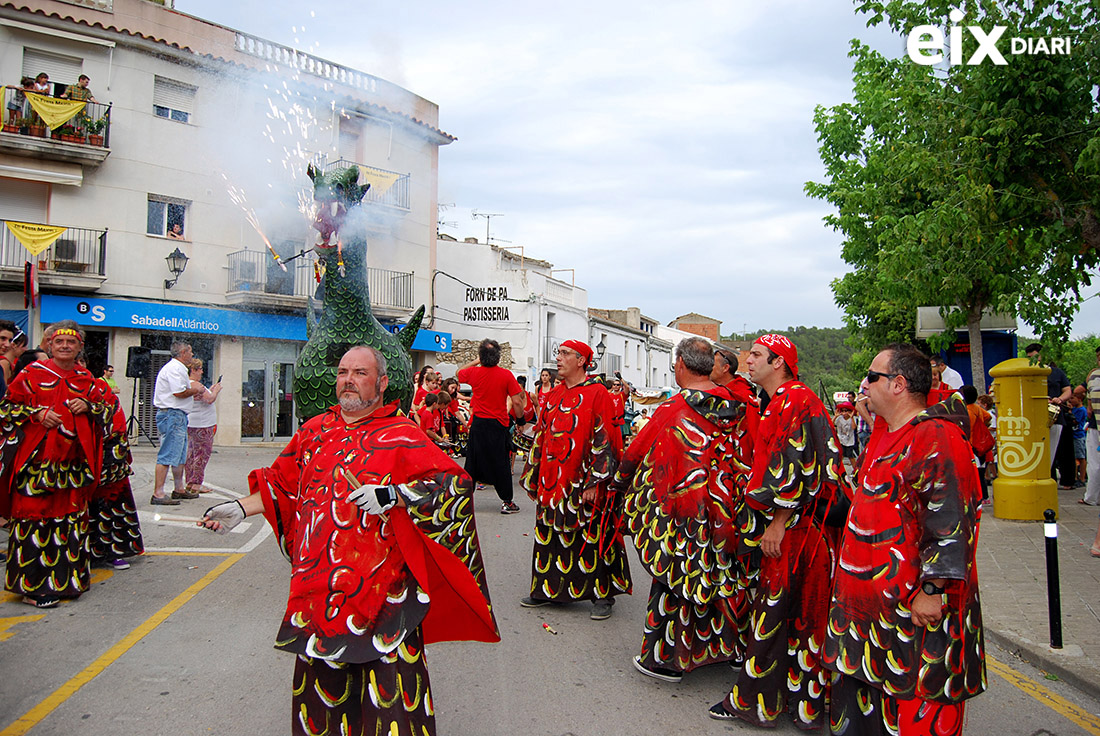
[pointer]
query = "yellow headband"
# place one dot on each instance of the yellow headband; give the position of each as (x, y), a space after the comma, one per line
(67, 331)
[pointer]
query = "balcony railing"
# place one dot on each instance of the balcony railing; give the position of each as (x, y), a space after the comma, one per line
(397, 195)
(89, 127)
(79, 250)
(255, 271)
(306, 63)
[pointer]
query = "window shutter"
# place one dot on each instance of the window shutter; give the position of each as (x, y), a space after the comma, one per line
(62, 69)
(174, 95)
(23, 201)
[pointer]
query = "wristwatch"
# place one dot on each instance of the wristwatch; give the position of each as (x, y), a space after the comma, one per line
(931, 588)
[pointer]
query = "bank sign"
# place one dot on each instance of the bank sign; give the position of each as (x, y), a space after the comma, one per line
(138, 315)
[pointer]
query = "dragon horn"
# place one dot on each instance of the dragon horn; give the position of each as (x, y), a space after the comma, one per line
(408, 333)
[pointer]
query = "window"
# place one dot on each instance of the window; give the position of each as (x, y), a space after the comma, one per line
(173, 100)
(164, 214)
(62, 70)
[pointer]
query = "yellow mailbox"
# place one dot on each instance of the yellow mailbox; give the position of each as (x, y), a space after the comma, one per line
(1023, 488)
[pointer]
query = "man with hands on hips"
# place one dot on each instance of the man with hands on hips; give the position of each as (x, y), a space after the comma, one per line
(358, 500)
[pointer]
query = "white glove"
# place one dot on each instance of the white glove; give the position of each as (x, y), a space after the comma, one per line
(227, 514)
(374, 499)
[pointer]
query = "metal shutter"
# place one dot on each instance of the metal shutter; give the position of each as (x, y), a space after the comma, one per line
(173, 95)
(23, 201)
(62, 69)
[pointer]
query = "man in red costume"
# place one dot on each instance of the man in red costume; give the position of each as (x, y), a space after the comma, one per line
(905, 624)
(684, 476)
(54, 416)
(348, 498)
(796, 475)
(579, 554)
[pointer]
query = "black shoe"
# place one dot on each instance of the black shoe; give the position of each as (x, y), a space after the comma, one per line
(530, 602)
(42, 601)
(657, 673)
(601, 609)
(719, 713)
(507, 507)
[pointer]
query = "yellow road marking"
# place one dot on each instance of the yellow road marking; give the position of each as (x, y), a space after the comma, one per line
(1056, 703)
(188, 554)
(7, 623)
(32, 717)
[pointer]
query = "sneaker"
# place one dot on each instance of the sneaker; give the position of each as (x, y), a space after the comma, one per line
(601, 609)
(657, 673)
(719, 713)
(119, 564)
(163, 501)
(530, 602)
(507, 507)
(185, 494)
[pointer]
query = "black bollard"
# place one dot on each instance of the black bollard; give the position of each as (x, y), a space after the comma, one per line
(1054, 598)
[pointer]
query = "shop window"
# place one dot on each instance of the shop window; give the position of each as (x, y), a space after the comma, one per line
(167, 217)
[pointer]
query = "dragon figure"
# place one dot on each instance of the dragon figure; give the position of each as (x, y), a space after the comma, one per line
(346, 316)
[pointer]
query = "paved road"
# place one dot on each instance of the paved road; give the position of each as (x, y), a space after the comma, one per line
(181, 644)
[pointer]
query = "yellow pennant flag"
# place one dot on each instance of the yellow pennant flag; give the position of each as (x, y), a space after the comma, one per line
(380, 181)
(35, 238)
(53, 111)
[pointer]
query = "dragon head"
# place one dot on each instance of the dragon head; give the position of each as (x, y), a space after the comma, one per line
(335, 194)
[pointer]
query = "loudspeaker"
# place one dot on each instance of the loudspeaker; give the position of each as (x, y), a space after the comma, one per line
(139, 361)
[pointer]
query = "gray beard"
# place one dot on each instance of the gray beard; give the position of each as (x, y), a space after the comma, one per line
(355, 403)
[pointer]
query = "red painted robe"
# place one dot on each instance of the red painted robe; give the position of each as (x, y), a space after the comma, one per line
(575, 447)
(914, 517)
(50, 473)
(684, 476)
(362, 583)
(797, 465)
(47, 477)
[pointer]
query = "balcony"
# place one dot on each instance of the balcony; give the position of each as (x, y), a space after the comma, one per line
(85, 139)
(77, 261)
(256, 281)
(395, 196)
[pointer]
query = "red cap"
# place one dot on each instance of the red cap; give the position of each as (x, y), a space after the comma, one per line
(580, 347)
(783, 347)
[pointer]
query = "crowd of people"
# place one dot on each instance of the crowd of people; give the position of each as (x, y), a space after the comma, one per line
(847, 600)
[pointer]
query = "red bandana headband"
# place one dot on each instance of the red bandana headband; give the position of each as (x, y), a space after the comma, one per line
(783, 347)
(581, 348)
(66, 331)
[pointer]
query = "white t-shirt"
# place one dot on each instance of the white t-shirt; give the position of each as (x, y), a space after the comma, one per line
(172, 379)
(951, 377)
(202, 414)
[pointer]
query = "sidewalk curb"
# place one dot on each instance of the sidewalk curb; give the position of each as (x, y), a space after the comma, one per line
(1044, 660)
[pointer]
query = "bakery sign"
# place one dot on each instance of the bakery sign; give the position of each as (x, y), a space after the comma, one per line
(483, 304)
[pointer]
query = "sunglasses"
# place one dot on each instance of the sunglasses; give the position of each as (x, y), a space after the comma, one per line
(873, 376)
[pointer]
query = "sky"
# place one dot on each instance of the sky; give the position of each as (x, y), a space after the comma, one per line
(658, 149)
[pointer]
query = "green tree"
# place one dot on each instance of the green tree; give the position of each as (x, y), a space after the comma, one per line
(976, 186)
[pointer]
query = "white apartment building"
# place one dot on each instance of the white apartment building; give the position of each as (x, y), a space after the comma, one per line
(505, 294)
(206, 128)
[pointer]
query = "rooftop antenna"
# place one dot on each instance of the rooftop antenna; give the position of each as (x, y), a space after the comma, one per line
(488, 216)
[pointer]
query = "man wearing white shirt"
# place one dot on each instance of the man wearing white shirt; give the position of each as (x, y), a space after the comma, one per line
(948, 375)
(172, 397)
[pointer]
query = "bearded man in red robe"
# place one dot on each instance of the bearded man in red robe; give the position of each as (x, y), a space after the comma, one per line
(53, 422)
(905, 624)
(356, 499)
(796, 477)
(683, 478)
(579, 554)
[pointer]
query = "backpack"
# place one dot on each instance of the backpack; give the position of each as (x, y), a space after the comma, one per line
(981, 439)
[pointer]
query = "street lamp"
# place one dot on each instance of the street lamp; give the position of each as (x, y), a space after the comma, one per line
(600, 350)
(177, 263)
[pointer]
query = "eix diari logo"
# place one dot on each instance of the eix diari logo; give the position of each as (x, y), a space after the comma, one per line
(925, 44)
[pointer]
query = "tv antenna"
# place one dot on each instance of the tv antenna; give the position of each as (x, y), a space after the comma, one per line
(488, 216)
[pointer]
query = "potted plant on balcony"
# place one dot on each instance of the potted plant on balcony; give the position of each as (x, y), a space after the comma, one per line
(14, 124)
(95, 130)
(36, 127)
(69, 133)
